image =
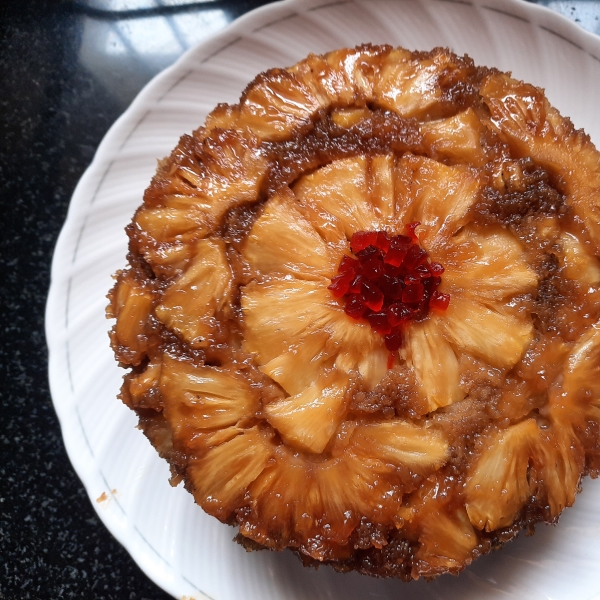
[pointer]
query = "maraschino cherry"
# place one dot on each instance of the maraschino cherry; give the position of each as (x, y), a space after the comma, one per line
(389, 283)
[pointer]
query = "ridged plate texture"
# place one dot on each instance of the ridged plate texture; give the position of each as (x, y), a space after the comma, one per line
(183, 550)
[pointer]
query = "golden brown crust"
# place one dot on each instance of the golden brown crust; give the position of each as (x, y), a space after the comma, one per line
(276, 408)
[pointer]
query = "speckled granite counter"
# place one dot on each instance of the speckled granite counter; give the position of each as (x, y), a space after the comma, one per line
(69, 69)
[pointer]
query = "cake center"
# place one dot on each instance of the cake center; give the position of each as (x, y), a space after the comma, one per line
(389, 282)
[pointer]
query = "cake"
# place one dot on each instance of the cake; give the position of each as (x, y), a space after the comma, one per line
(360, 315)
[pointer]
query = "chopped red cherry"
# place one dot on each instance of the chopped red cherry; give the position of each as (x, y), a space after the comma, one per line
(348, 264)
(390, 283)
(390, 286)
(356, 285)
(413, 293)
(395, 256)
(393, 341)
(372, 268)
(372, 296)
(399, 313)
(391, 270)
(379, 322)
(410, 228)
(401, 241)
(414, 257)
(383, 241)
(399, 246)
(361, 239)
(340, 284)
(354, 307)
(368, 253)
(435, 268)
(439, 301)
(422, 271)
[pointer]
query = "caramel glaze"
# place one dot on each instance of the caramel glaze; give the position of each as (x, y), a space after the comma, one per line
(532, 206)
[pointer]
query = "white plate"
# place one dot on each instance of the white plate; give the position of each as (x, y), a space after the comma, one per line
(183, 550)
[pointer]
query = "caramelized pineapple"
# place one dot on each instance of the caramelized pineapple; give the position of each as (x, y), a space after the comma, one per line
(309, 419)
(498, 484)
(192, 301)
(131, 305)
(362, 311)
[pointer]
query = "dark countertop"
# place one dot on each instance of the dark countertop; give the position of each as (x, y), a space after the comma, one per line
(69, 69)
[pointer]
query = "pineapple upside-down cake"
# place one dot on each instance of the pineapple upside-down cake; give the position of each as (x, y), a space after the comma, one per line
(361, 312)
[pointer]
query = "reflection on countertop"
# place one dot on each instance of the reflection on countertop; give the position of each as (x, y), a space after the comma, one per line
(584, 12)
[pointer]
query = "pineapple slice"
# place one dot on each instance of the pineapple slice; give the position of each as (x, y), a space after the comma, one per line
(187, 198)
(279, 314)
(278, 499)
(348, 117)
(167, 260)
(221, 477)
(324, 80)
(337, 201)
(495, 271)
(498, 482)
(233, 169)
(231, 172)
(311, 353)
(315, 355)
(577, 262)
(200, 398)
(223, 116)
(316, 505)
(300, 319)
(436, 195)
(190, 304)
(131, 303)
(202, 440)
(447, 540)
(167, 224)
(381, 186)
(415, 449)
(372, 367)
(282, 241)
(344, 77)
(277, 104)
(456, 140)
(309, 419)
(583, 365)
(558, 462)
(561, 460)
(524, 118)
(580, 394)
(351, 483)
(141, 390)
(434, 362)
(359, 67)
(414, 87)
(499, 339)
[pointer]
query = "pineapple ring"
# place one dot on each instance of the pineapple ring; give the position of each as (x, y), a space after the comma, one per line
(277, 408)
